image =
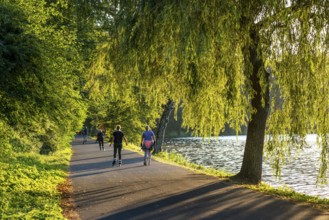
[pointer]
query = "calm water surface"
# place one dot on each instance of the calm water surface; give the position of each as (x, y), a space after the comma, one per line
(226, 154)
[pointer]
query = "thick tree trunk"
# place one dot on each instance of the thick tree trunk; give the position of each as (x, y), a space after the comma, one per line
(251, 169)
(160, 134)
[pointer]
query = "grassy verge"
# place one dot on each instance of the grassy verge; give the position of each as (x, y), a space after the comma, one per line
(288, 194)
(29, 185)
(281, 192)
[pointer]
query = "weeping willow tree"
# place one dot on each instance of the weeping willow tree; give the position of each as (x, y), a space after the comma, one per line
(257, 63)
(224, 59)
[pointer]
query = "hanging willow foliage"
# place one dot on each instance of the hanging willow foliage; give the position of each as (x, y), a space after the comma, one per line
(177, 50)
(200, 52)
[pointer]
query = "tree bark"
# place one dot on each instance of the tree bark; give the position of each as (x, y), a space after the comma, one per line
(160, 134)
(251, 169)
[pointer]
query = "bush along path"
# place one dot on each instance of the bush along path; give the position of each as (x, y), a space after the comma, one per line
(162, 191)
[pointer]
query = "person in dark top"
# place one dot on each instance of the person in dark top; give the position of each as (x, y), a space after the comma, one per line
(117, 138)
(85, 135)
(100, 139)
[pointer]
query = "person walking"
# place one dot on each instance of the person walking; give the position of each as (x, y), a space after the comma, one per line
(147, 143)
(117, 138)
(100, 139)
(85, 135)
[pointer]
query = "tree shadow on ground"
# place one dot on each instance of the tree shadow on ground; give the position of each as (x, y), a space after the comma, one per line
(101, 165)
(215, 201)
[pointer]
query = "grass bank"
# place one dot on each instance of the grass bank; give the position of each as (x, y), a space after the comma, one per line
(287, 193)
(29, 185)
(281, 192)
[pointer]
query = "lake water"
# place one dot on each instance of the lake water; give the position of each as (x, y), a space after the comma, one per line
(226, 154)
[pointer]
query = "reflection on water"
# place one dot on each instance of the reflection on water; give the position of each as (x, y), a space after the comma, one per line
(226, 153)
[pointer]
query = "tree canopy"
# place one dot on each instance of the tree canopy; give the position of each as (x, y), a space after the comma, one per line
(40, 102)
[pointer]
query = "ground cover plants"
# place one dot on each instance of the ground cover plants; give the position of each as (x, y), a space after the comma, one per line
(28, 185)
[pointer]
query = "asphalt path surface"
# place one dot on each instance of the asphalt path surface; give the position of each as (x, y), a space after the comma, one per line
(161, 191)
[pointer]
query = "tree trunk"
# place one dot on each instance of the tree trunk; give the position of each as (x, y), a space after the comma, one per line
(160, 134)
(251, 169)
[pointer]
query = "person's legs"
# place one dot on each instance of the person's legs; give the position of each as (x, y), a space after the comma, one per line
(119, 152)
(145, 156)
(147, 145)
(100, 144)
(149, 156)
(115, 147)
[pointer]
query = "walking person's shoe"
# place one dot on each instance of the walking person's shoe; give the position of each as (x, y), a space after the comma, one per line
(120, 162)
(113, 163)
(144, 163)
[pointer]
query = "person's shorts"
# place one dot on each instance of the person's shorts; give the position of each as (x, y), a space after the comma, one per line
(147, 144)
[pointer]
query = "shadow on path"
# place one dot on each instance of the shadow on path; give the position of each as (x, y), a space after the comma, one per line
(214, 201)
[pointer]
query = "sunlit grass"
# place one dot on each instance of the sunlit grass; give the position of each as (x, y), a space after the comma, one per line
(28, 185)
(289, 194)
(180, 160)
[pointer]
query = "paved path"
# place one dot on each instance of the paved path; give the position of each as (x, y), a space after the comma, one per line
(162, 191)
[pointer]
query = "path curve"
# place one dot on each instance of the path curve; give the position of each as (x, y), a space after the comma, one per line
(161, 191)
